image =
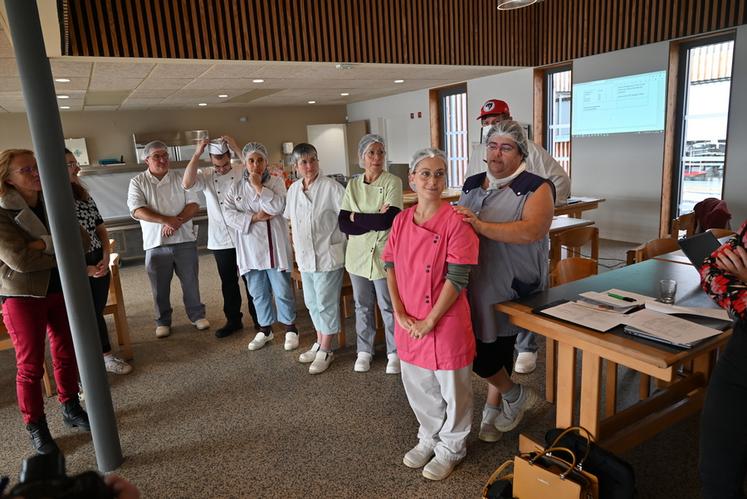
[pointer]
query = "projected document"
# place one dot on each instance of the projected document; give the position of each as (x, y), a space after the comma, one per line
(619, 105)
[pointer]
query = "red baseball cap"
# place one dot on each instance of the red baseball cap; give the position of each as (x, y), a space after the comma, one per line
(493, 107)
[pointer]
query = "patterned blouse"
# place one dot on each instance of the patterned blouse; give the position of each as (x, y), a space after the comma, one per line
(89, 217)
(724, 288)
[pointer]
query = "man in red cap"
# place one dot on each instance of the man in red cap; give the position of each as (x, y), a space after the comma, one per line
(538, 161)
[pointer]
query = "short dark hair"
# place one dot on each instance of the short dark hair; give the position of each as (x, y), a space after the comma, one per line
(303, 149)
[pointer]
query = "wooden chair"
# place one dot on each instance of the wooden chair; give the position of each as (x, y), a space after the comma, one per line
(7, 344)
(573, 240)
(719, 233)
(685, 223)
(115, 306)
(653, 248)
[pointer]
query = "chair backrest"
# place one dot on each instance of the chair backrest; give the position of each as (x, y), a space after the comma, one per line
(572, 269)
(685, 223)
(574, 240)
(654, 247)
(719, 233)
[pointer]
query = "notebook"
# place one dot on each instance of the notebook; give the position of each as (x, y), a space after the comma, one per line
(699, 247)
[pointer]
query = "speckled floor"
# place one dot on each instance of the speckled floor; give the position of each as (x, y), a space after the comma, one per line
(202, 417)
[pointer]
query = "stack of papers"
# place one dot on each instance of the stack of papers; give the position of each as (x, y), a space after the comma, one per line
(667, 329)
(615, 299)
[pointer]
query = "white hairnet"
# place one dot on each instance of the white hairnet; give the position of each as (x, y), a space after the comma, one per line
(428, 152)
(155, 145)
(512, 130)
(253, 147)
(367, 141)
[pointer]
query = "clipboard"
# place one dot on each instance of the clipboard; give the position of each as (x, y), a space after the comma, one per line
(699, 247)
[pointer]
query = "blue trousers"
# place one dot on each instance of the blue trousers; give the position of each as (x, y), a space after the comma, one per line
(269, 283)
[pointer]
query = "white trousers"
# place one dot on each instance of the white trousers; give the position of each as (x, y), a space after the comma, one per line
(442, 403)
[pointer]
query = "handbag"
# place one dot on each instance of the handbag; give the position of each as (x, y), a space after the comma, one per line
(499, 485)
(539, 475)
(616, 476)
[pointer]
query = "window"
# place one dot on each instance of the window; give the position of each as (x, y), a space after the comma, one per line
(705, 84)
(453, 113)
(558, 92)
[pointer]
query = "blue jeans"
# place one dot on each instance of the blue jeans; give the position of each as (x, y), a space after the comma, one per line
(526, 341)
(263, 285)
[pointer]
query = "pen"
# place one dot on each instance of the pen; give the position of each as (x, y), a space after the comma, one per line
(620, 297)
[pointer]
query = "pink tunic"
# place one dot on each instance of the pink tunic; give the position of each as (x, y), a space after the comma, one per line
(420, 255)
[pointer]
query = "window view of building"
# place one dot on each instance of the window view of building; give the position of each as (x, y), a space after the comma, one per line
(559, 117)
(454, 126)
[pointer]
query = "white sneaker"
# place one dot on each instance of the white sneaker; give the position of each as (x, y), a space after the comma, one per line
(259, 340)
(309, 355)
(114, 364)
(438, 470)
(201, 324)
(526, 362)
(322, 360)
(512, 413)
(163, 331)
(488, 431)
(291, 341)
(393, 365)
(363, 362)
(418, 456)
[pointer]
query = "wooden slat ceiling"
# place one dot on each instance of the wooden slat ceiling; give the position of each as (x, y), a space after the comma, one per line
(452, 32)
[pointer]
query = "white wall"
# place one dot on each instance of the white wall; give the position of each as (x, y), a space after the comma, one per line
(735, 183)
(330, 142)
(625, 169)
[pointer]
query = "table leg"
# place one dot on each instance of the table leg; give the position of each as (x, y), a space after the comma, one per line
(591, 381)
(550, 370)
(610, 390)
(566, 373)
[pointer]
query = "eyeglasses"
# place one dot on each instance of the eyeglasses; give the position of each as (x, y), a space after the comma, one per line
(27, 170)
(72, 164)
(164, 156)
(427, 174)
(504, 148)
(372, 154)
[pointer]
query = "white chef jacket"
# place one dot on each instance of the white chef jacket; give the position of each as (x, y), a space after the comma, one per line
(165, 196)
(318, 242)
(260, 245)
(216, 189)
(538, 162)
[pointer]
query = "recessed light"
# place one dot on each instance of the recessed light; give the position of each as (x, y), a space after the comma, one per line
(312, 102)
(223, 96)
(202, 104)
(258, 80)
(64, 107)
(399, 81)
(62, 80)
(63, 96)
(344, 94)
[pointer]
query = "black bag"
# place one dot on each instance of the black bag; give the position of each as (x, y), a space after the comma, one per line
(616, 476)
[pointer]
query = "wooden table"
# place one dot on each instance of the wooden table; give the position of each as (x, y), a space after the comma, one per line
(410, 198)
(578, 205)
(621, 430)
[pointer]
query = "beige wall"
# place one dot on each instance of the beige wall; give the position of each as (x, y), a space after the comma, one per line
(109, 133)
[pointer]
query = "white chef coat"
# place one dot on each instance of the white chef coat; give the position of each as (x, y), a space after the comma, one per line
(165, 196)
(216, 189)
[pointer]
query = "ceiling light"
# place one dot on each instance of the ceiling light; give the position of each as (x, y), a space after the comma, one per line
(202, 104)
(344, 66)
(258, 80)
(399, 81)
(63, 96)
(64, 107)
(223, 96)
(312, 102)
(62, 80)
(514, 4)
(344, 94)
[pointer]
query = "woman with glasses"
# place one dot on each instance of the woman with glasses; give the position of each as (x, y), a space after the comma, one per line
(254, 210)
(97, 260)
(511, 210)
(32, 301)
(371, 202)
(428, 258)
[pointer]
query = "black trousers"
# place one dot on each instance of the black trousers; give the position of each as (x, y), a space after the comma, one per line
(225, 259)
(100, 293)
(723, 424)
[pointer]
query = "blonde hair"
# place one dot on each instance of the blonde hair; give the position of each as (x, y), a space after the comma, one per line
(6, 158)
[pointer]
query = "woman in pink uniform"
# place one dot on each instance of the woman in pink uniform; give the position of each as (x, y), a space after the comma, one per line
(428, 258)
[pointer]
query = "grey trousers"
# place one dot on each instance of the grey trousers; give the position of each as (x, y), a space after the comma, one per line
(526, 341)
(366, 295)
(161, 263)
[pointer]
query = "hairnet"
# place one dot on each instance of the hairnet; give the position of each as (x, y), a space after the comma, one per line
(253, 147)
(155, 145)
(367, 141)
(301, 150)
(512, 130)
(428, 152)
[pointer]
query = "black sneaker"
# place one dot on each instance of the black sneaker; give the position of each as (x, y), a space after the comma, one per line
(41, 439)
(74, 416)
(228, 329)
